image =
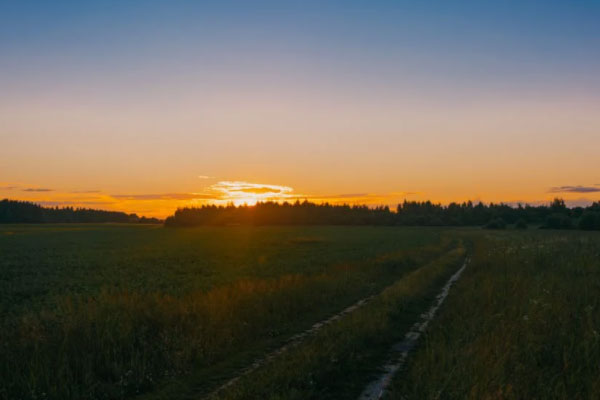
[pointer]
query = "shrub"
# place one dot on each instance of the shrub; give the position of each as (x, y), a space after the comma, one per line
(521, 224)
(496, 223)
(590, 221)
(558, 221)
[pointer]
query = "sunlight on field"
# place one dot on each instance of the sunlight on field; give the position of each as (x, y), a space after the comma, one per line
(523, 323)
(172, 313)
(124, 308)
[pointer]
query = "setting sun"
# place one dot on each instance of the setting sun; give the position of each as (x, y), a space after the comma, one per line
(153, 114)
(239, 193)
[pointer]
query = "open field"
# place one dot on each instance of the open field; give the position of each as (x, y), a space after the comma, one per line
(41, 262)
(299, 200)
(108, 311)
(123, 311)
(522, 323)
(337, 362)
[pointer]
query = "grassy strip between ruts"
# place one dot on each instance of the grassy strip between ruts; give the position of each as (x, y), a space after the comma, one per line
(339, 360)
(117, 344)
(523, 323)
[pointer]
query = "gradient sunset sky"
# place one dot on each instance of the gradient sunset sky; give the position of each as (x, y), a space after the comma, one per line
(144, 106)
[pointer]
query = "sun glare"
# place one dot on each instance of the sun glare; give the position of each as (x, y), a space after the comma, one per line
(239, 192)
(249, 201)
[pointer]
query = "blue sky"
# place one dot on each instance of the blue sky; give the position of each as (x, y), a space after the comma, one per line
(493, 43)
(144, 96)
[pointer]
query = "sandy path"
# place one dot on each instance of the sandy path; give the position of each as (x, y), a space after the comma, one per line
(399, 352)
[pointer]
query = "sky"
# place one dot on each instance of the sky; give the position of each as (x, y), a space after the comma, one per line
(146, 106)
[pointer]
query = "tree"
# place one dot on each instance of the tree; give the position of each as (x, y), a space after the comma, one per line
(558, 221)
(590, 220)
(521, 224)
(496, 223)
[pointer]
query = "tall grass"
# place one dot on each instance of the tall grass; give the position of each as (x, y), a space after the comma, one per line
(120, 343)
(338, 360)
(522, 323)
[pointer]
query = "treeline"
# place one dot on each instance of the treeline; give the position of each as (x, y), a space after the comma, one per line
(13, 211)
(555, 215)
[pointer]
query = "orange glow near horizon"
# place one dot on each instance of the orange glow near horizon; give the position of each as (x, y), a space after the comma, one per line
(367, 155)
(239, 193)
(209, 103)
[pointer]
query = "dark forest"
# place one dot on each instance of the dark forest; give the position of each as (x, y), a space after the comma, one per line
(12, 211)
(555, 215)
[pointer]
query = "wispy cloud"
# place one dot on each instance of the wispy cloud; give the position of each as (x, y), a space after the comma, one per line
(401, 194)
(37, 190)
(241, 192)
(575, 189)
(165, 196)
(346, 196)
(233, 187)
(220, 192)
(49, 203)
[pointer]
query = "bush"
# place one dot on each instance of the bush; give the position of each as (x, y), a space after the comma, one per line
(496, 223)
(558, 221)
(590, 221)
(521, 224)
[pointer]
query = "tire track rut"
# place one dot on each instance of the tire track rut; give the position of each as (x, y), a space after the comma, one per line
(399, 352)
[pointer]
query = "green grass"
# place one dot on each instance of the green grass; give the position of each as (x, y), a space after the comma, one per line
(109, 311)
(522, 323)
(339, 360)
(41, 262)
(124, 311)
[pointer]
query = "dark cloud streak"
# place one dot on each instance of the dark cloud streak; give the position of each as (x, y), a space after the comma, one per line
(73, 203)
(165, 196)
(37, 190)
(575, 189)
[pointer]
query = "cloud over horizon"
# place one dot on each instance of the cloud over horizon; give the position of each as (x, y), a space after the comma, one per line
(65, 203)
(37, 190)
(165, 196)
(575, 189)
